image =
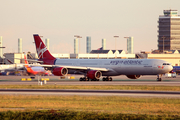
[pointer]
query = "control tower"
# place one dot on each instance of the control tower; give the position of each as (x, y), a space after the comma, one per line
(130, 45)
(169, 31)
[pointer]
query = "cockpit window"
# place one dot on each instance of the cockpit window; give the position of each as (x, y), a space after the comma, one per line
(166, 64)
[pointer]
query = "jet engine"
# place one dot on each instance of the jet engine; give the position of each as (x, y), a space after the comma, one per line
(94, 74)
(60, 71)
(133, 76)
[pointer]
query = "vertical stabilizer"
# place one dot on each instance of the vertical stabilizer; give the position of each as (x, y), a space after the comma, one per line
(42, 51)
(25, 61)
(28, 69)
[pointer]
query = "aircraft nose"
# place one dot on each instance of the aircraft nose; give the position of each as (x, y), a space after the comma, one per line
(170, 67)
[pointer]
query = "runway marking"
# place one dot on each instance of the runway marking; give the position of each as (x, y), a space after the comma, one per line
(91, 94)
(132, 93)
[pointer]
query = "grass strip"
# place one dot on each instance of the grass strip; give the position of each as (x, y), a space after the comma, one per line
(105, 104)
(78, 115)
(95, 87)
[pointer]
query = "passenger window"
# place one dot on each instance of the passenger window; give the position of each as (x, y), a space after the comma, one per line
(164, 63)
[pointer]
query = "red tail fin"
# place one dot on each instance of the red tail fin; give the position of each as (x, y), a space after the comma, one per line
(42, 51)
(25, 61)
(28, 68)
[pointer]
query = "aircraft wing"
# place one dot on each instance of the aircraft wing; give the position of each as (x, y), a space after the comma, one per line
(31, 60)
(74, 67)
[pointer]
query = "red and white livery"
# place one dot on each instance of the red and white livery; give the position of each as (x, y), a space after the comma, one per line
(95, 68)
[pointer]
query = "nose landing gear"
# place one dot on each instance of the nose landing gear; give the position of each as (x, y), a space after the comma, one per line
(159, 77)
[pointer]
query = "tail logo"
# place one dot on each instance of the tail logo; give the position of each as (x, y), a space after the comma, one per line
(40, 51)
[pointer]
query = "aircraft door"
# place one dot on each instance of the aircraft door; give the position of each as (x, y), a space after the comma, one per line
(155, 69)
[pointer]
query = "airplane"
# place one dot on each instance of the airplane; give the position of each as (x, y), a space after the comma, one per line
(95, 68)
(34, 70)
(176, 69)
(9, 68)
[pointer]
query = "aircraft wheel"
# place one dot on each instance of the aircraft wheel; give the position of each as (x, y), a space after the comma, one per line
(107, 78)
(104, 79)
(85, 79)
(110, 79)
(81, 79)
(159, 79)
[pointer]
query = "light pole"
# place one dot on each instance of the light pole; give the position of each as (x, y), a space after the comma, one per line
(163, 42)
(115, 40)
(77, 36)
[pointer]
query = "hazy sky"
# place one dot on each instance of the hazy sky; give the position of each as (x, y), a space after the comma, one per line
(60, 20)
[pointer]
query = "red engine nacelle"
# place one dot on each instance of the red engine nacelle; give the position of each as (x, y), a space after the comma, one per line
(94, 74)
(133, 76)
(60, 71)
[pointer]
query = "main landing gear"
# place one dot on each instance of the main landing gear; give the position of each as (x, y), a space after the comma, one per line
(88, 79)
(107, 78)
(159, 77)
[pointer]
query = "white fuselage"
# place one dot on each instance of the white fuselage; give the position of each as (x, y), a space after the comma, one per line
(38, 69)
(120, 66)
(10, 67)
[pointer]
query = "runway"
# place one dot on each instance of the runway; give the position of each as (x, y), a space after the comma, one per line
(132, 93)
(152, 83)
(115, 78)
(118, 80)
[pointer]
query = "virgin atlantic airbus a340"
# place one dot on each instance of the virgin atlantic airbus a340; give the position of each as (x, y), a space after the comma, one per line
(94, 69)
